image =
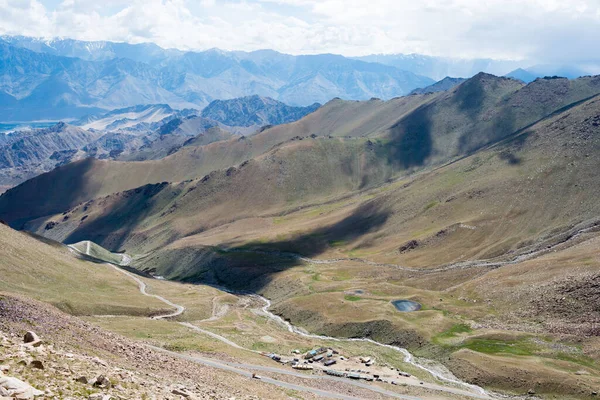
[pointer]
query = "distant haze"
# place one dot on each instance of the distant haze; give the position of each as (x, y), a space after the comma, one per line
(540, 31)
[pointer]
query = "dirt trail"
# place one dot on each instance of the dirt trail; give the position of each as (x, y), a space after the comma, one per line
(562, 239)
(141, 285)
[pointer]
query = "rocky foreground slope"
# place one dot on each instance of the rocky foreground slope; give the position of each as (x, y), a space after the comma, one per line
(76, 360)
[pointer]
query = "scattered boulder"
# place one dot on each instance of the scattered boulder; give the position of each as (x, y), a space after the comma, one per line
(31, 337)
(37, 364)
(19, 389)
(82, 379)
(100, 396)
(410, 245)
(99, 362)
(102, 382)
(181, 392)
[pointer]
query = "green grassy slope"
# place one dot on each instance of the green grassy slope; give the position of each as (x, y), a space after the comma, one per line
(49, 272)
(491, 204)
(419, 131)
(155, 215)
(98, 252)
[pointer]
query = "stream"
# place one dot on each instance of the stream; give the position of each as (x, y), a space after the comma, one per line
(408, 357)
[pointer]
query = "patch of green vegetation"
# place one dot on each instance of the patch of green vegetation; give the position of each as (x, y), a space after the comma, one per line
(431, 205)
(356, 253)
(456, 329)
(176, 347)
(352, 298)
(490, 346)
(588, 261)
(279, 220)
(577, 359)
(337, 243)
(259, 346)
(293, 393)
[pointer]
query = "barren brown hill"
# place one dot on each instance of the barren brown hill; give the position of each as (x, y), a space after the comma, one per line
(500, 247)
(87, 179)
(491, 204)
(418, 131)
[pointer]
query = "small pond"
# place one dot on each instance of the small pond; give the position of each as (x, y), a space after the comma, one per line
(357, 292)
(406, 305)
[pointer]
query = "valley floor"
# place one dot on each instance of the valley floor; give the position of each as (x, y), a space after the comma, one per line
(253, 310)
(208, 347)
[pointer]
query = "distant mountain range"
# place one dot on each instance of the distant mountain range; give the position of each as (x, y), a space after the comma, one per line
(136, 133)
(438, 68)
(69, 79)
(65, 78)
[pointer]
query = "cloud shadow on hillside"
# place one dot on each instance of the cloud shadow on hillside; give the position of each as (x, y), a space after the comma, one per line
(411, 142)
(252, 265)
(45, 194)
(115, 227)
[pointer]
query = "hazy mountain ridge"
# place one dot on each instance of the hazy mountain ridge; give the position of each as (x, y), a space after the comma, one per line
(440, 67)
(116, 75)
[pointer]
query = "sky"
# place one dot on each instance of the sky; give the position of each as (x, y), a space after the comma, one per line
(552, 31)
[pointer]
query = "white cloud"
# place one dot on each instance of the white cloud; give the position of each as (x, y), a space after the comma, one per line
(542, 30)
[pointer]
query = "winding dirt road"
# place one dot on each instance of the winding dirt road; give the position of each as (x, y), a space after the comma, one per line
(242, 368)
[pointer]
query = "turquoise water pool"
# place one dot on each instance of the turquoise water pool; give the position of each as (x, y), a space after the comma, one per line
(406, 305)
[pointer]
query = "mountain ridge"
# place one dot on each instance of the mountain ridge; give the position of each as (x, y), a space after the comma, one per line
(74, 87)
(422, 131)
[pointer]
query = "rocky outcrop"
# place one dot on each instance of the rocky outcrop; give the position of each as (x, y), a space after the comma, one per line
(16, 388)
(255, 111)
(445, 84)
